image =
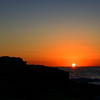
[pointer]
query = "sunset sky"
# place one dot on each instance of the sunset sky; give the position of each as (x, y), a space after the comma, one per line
(51, 32)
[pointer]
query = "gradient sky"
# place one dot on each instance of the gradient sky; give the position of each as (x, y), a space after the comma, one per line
(51, 32)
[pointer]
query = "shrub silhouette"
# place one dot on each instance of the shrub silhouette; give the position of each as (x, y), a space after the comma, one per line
(11, 61)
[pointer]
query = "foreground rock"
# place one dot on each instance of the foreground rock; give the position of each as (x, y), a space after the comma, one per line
(40, 82)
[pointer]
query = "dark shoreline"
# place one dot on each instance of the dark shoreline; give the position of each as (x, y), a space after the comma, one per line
(39, 82)
(30, 84)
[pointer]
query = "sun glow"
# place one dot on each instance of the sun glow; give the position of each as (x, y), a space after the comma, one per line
(73, 64)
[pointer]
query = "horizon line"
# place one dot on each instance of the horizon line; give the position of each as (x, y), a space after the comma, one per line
(64, 66)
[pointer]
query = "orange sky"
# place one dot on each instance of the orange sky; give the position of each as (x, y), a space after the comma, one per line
(56, 33)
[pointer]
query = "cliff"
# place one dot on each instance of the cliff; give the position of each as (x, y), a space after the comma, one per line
(38, 82)
(29, 80)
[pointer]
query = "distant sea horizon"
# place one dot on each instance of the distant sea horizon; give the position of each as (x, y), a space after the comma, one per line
(89, 74)
(73, 67)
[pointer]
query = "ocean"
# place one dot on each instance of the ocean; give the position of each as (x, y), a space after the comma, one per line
(83, 74)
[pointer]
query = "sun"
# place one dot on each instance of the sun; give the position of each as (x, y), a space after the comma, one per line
(73, 64)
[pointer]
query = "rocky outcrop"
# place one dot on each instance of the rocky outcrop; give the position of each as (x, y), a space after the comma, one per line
(11, 61)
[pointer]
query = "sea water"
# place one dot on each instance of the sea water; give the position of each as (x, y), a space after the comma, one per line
(83, 74)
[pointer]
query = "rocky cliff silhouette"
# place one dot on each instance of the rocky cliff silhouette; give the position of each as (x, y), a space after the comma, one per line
(38, 82)
(11, 61)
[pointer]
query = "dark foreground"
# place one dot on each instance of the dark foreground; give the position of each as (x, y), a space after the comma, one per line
(42, 83)
(32, 82)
